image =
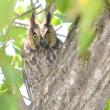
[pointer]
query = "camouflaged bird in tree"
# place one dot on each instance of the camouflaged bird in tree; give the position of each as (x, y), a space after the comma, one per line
(40, 50)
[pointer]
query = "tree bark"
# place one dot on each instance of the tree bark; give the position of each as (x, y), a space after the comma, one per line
(76, 85)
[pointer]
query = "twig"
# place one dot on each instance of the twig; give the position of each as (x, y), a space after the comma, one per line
(7, 37)
(58, 28)
(1, 73)
(34, 8)
(61, 35)
(25, 13)
(41, 11)
(25, 97)
(20, 24)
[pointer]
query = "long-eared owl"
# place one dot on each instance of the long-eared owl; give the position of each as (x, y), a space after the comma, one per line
(40, 50)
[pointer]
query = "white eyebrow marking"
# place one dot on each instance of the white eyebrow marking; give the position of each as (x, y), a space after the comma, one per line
(43, 30)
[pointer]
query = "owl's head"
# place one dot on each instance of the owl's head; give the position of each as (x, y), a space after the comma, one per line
(41, 35)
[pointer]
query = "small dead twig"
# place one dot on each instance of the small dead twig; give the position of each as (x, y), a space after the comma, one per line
(18, 23)
(61, 35)
(26, 98)
(58, 28)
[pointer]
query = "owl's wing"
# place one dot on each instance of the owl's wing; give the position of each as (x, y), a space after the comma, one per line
(26, 73)
(26, 81)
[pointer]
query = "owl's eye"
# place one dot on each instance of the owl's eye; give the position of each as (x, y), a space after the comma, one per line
(35, 37)
(47, 36)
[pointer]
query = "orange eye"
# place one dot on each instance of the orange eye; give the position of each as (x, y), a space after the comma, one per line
(47, 36)
(35, 37)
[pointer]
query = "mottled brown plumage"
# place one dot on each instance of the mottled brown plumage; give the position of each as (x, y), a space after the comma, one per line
(40, 50)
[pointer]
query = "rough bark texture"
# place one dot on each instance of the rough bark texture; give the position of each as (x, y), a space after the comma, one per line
(75, 85)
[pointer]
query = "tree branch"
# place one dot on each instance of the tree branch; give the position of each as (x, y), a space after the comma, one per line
(76, 85)
(21, 24)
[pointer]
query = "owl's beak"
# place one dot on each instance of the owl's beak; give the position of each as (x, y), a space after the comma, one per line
(43, 43)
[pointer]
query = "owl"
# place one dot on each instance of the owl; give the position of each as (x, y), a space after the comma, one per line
(40, 50)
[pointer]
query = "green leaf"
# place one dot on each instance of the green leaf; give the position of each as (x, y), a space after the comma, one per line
(18, 34)
(62, 17)
(8, 102)
(62, 5)
(11, 74)
(2, 38)
(19, 10)
(6, 12)
(3, 88)
(107, 106)
(86, 34)
(56, 21)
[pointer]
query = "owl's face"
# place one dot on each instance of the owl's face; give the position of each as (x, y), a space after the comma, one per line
(42, 35)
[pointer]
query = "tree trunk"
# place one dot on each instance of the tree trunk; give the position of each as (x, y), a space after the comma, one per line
(76, 85)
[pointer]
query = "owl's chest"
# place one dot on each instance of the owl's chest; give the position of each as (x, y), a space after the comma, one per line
(40, 61)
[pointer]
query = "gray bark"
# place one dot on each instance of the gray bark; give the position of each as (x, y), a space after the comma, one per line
(76, 85)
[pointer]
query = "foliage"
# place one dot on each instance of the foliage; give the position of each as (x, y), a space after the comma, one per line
(12, 37)
(107, 106)
(9, 63)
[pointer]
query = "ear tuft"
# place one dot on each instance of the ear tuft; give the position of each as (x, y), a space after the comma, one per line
(48, 18)
(33, 19)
